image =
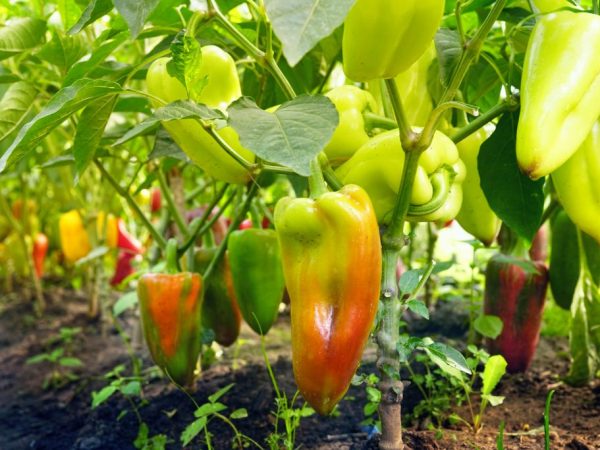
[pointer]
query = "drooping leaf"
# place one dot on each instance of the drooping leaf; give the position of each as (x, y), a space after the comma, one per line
(186, 64)
(301, 24)
(449, 49)
(64, 103)
(514, 197)
(20, 35)
(291, 136)
(63, 50)
(14, 106)
(135, 13)
(89, 132)
(94, 10)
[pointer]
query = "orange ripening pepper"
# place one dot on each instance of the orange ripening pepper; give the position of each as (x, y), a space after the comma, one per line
(331, 256)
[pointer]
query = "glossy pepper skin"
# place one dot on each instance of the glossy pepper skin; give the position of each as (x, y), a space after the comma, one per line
(578, 187)
(222, 88)
(385, 37)
(220, 312)
(332, 266)
(377, 168)
(171, 306)
(351, 102)
(517, 295)
(475, 215)
(545, 6)
(74, 239)
(560, 90)
(257, 272)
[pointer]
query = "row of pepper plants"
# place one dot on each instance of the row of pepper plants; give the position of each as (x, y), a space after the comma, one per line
(305, 136)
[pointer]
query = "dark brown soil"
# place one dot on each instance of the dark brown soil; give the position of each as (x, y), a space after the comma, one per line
(62, 418)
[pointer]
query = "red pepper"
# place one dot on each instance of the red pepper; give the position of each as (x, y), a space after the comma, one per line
(155, 200)
(40, 248)
(124, 268)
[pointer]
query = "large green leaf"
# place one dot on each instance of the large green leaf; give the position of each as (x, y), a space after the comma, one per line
(514, 197)
(301, 24)
(14, 106)
(94, 10)
(291, 136)
(135, 13)
(63, 50)
(20, 35)
(62, 105)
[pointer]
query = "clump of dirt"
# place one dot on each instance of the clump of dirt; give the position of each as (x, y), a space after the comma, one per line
(62, 418)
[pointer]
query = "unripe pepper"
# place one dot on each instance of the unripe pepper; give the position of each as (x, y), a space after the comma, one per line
(351, 103)
(221, 312)
(332, 266)
(517, 296)
(578, 187)
(377, 168)
(560, 90)
(385, 37)
(222, 88)
(74, 239)
(171, 305)
(475, 215)
(255, 261)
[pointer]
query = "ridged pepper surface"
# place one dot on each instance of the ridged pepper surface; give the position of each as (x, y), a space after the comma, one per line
(255, 261)
(377, 168)
(385, 37)
(171, 306)
(220, 312)
(577, 184)
(222, 88)
(332, 266)
(560, 90)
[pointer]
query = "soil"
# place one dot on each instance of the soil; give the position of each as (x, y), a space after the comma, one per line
(62, 417)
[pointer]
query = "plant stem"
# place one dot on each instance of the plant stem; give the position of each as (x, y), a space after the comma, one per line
(510, 104)
(160, 240)
(373, 120)
(166, 192)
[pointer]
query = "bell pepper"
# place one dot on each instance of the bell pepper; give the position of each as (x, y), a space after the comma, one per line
(516, 295)
(351, 102)
(171, 306)
(123, 268)
(255, 261)
(331, 256)
(74, 239)
(385, 37)
(155, 200)
(539, 246)
(576, 183)
(40, 248)
(377, 168)
(222, 88)
(565, 267)
(560, 90)
(545, 6)
(219, 228)
(413, 90)
(31, 224)
(475, 215)
(221, 312)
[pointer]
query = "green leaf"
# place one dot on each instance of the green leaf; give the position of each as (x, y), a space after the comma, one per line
(418, 307)
(62, 105)
(186, 64)
(104, 394)
(135, 13)
(14, 106)
(125, 302)
(19, 35)
(301, 24)
(494, 370)
(493, 400)
(209, 408)
(488, 326)
(69, 12)
(89, 132)
(133, 388)
(38, 359)
(449, 50)
(220, 393)
(63, 50)
(98, 55)
(192, 430)
(94, 10)
(409, 282)
(291, 136)
(448, 359)
(514, 197)
(240, 413)
(70, 362)
(96, 253)
(166, 147)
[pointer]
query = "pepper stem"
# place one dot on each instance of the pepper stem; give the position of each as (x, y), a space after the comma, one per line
(316, 181)
(171, 255)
